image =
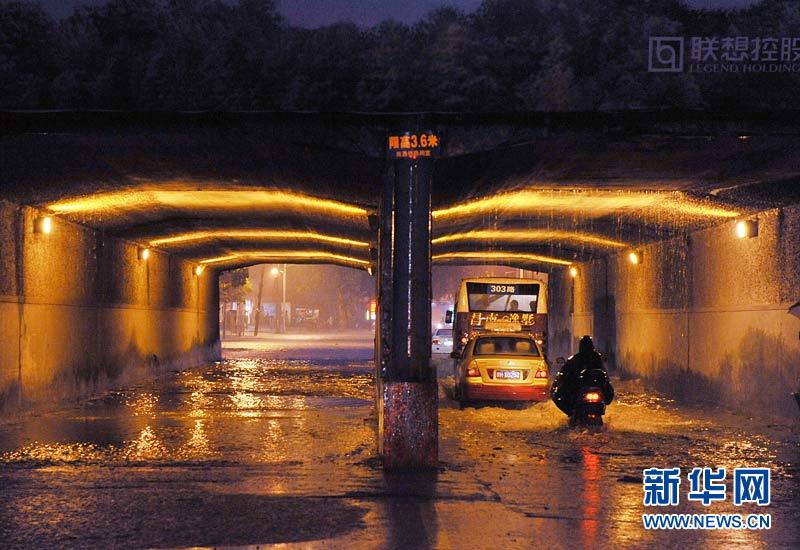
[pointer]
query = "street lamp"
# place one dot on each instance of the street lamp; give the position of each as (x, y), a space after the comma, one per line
(635, 257)
(281, 324)
(143, 253)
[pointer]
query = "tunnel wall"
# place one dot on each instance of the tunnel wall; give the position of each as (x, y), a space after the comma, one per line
(79, 312)
(703, 318)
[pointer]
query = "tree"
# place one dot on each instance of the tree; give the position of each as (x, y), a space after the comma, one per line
(28, 56)
(336, 291)
(508, 55)
(234, 286)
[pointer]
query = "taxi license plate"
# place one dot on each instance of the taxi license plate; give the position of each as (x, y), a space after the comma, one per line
(508, 374)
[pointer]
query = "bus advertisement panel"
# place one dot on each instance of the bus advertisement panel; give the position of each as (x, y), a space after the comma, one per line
(500, 304)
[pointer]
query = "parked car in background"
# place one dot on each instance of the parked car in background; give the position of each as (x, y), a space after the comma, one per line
(442, 340)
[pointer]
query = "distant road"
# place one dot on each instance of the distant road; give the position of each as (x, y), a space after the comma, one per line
(346, 344)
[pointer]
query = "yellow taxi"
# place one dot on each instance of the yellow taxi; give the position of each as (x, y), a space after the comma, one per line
(501, 366)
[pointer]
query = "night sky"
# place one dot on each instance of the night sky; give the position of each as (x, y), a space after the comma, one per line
(313, 13)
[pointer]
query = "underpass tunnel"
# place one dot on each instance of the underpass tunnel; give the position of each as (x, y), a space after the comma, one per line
(111, 287)
(113, 239)
(102, 285)
(107, 282)
(114, 234)
(689, 293)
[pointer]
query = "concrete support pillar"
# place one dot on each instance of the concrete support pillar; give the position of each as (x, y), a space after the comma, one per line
(407, 391)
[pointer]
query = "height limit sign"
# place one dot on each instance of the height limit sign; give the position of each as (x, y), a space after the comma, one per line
(413, 145)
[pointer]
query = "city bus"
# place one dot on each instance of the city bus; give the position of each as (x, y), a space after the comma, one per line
(493, 303)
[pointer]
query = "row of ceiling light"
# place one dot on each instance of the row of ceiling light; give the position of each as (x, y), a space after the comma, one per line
(743, 229)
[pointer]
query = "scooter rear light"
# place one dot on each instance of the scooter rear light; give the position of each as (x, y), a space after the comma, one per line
(592, 397)
(541, 373)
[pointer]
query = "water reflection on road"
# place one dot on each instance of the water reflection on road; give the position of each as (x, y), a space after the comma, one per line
(236, 410)
(591, 483)
(259, 450)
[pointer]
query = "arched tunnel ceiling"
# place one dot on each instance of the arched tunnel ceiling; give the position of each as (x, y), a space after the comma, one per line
(530, 190)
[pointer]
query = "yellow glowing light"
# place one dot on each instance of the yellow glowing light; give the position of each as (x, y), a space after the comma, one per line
(144, 254)
(203, 199)
(573, 272)
(635, 257)
(198, 270)
(43, 225)
(495, 255)
(254, 234)
(529, 235)
(219, 259)
(588, 202)
(284, 256)
(746, 228)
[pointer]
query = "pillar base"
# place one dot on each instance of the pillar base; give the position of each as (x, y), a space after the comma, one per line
(409, 424)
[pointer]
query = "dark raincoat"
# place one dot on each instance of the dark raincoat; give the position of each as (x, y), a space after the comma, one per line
(568, 380)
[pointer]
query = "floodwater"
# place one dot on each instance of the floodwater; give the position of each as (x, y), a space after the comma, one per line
(275, 446)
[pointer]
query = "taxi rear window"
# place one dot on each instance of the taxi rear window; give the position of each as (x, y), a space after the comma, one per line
(505, 345)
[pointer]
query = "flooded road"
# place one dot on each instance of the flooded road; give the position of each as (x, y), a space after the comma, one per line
(276, 444)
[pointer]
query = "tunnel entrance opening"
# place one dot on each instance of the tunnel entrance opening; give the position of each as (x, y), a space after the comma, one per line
(295, 311)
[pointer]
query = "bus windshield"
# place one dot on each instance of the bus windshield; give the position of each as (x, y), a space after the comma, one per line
(503, 297)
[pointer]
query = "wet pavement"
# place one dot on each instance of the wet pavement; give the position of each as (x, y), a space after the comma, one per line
(276, 445)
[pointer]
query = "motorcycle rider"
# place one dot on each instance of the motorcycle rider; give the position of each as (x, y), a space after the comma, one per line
(567, 381)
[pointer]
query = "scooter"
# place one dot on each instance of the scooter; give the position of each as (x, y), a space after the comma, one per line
(591, 399)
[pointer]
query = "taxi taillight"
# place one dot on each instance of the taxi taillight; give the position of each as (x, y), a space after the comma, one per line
(464, 339)
(473, 372)
(541, 373)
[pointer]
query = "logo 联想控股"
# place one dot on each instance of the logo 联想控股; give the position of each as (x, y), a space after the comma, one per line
(724, 54)
(665, 54)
